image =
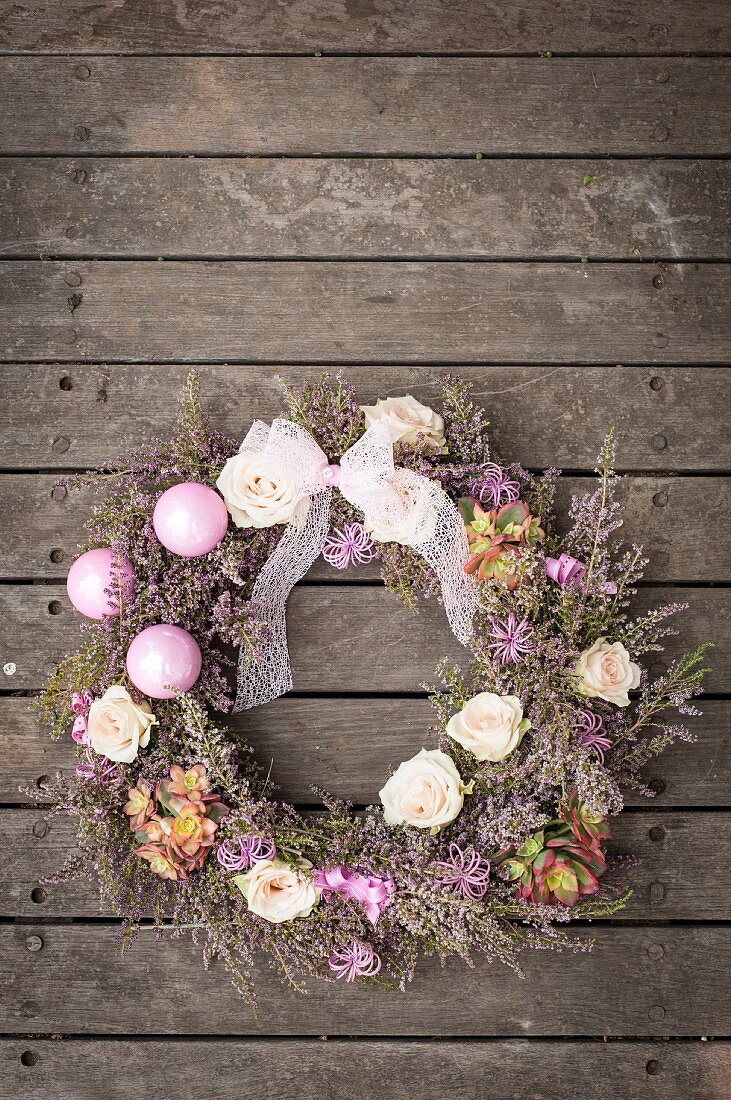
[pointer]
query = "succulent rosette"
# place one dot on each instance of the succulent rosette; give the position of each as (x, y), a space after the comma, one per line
(475, 829)
(498, 540)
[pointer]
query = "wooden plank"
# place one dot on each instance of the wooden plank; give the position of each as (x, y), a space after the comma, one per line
(412, 106)
(660, 513)
(338, 312)
(81, 416)
(381, 26)
(37, 629)
(637, 981)
(351, 746)
(679, 876)
(349, 209)
(38, 1068)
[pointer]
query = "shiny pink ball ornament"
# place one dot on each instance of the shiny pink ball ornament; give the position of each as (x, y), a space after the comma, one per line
(91, 574)
(190, 519)
(163, 660)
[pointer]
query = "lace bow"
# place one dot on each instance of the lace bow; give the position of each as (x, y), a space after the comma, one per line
(397, 505)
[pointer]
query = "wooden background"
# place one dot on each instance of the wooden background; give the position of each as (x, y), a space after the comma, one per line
(190, 183)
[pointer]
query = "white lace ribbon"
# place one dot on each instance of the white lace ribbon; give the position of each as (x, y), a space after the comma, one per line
(397, 505)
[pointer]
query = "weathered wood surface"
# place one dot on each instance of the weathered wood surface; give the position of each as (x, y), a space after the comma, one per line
(416, 106)
(680, 876)
(37, 629)
(351, 744)
(339, 312)
(637, 981)
(380, 26)
(661, 513)
(76, 416)
(311, 1069)
(349, 209)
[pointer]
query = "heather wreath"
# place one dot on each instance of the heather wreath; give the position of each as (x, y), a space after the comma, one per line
(494, 833)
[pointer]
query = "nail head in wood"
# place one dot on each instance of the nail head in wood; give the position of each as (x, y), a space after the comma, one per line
(33, 943)
(61, 444)
(655, 951)
(28, 1058)
(656, 383)
(660, 340)
(660, 500)
(653, 1067)
(656, 833)
(41, 829)
(72, 278)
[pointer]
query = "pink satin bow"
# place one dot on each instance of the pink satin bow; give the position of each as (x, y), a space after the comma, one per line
(374, 893)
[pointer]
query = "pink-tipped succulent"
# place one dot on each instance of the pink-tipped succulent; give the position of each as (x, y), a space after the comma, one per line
(589, 828)
(497, 540)
(177, 829)
(140, 806)
(561, 863)
(191, 784)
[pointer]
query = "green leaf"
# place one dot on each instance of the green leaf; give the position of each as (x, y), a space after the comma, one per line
(588, 179)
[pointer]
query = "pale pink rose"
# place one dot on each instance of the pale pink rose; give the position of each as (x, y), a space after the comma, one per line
(277, 892)
(490, 726)
(606, 672)
(407, 420)
(117, 726)
(426, 791)
(256, 493)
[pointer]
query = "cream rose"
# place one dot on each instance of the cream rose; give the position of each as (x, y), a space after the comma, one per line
(607, 672)
(489, 725)
(277, 892)
(408, 420)
(416, 516)
(426, 791)
(255, 493)
(117, 726)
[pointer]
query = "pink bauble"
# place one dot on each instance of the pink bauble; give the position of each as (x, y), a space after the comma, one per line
(190, 519)
(163, 657)
(91, 574)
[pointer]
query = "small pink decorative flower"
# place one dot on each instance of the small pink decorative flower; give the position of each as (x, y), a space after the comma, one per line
(351, 546)
(357, 961)
(590, 731)
(468, 874)
(494, 486)
(80, 704)
(512, 640)
(240, 854)
(104, 771)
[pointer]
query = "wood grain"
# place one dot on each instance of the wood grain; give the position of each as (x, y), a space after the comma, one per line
(342, 312)
(352, 745)
(54, 417)
(660, 513)
(37, 627)
(349, 209)
(379, 26)
(637, 981)
(679, 876)
(387, 106)
(130, 1070)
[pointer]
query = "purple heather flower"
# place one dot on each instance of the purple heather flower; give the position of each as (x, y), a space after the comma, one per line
(468, 874)
(352, 545)
(244, 852)
(359, 960)
(590, 731)
(494, 486)
(512, 639)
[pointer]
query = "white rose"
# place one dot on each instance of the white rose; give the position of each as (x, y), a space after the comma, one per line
(255, 493)
(408, 420)
(412, 517)
(277, 892)
(607, 672)
(489, 725)
(426, 791)
(117, 726)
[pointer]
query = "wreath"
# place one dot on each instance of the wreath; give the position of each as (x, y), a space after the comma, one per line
(489, 840)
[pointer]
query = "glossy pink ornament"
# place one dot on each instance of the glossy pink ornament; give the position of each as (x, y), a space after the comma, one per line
(190, 519)
(162, 658)
(91, 574)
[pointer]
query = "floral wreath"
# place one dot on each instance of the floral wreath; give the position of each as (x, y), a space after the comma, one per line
(488, 840)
